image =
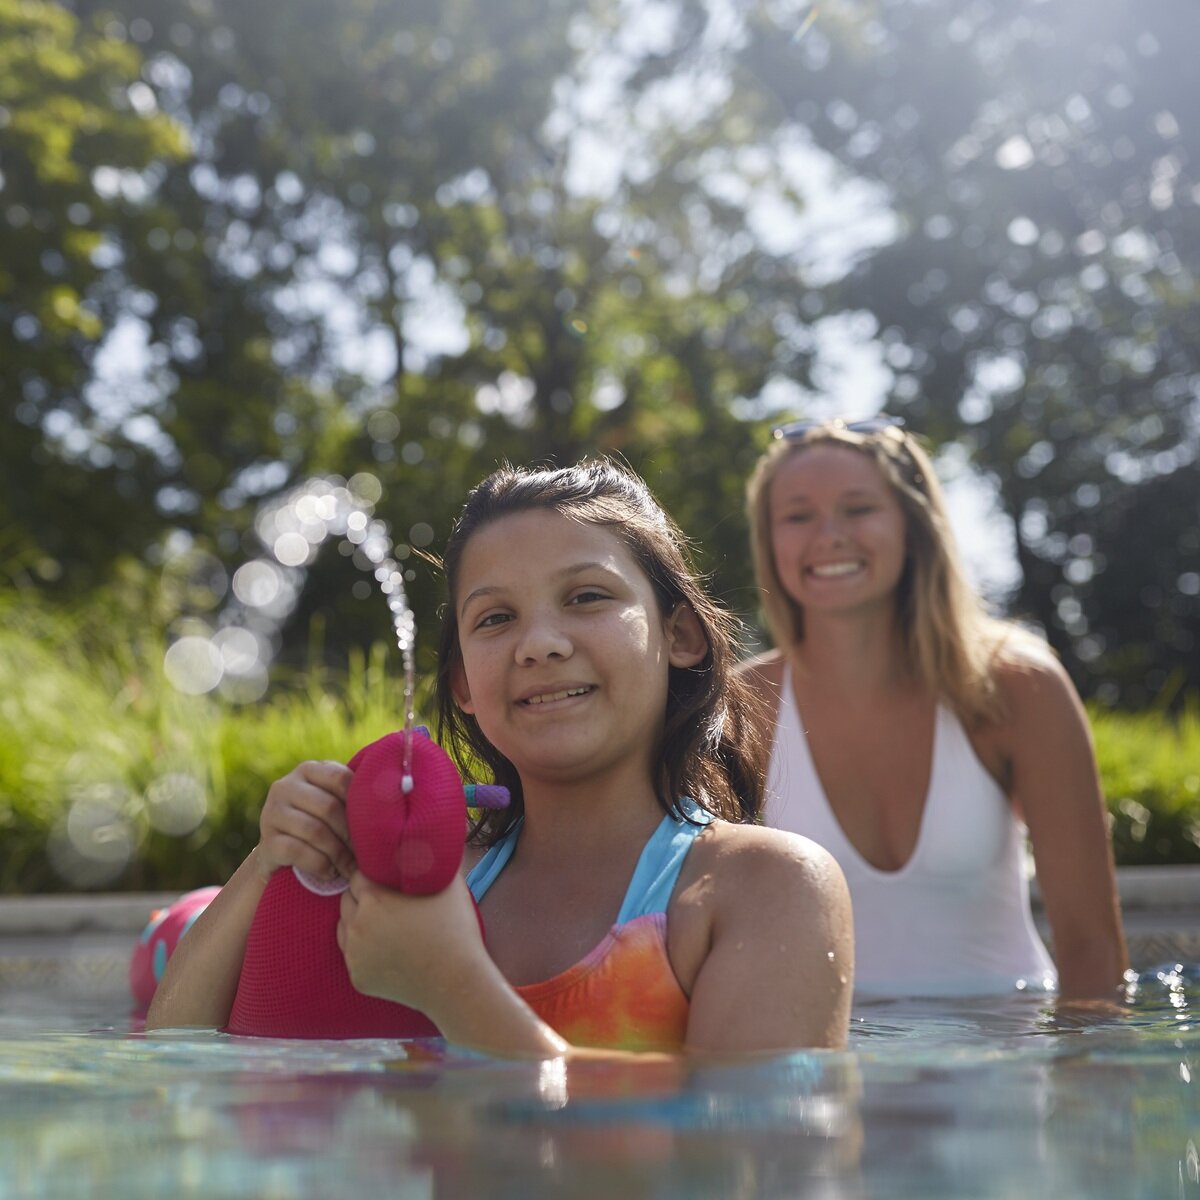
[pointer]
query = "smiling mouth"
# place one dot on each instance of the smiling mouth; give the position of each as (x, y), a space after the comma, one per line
(835, 570)
(550, 697)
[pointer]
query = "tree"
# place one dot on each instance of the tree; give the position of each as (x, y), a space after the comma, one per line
(77, 129)
(1038, 301)
(350, 168)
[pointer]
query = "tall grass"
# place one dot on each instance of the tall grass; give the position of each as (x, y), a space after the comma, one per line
(1150, 770)
(110, 779)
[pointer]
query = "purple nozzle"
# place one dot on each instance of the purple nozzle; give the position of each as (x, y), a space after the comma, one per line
(486, 795)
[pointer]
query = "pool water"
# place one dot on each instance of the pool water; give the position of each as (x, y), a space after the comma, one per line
(969, 1099)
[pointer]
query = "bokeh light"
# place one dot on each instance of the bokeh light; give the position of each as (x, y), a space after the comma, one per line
(92, 844)
(193, 665)
(176, 803)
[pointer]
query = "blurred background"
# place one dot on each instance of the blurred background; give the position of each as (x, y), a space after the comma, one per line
(264, 267)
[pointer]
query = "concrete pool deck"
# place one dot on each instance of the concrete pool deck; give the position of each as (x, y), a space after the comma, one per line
(78, 946)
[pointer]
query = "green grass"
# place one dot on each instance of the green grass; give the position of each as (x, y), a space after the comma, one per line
(1150, 770)
(91, 732)
(92, 735)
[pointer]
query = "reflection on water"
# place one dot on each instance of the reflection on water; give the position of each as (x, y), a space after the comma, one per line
(966, 1099)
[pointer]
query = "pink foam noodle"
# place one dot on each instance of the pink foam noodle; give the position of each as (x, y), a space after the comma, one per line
(157, 943)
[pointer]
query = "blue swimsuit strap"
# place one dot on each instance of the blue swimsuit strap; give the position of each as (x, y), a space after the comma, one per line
(483, 874)
(653, 878)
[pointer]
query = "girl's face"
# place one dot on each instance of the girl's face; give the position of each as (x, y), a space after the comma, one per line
(837, 530)
(564, 651)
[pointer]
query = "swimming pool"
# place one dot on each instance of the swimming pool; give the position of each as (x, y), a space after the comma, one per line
(1001, 1099)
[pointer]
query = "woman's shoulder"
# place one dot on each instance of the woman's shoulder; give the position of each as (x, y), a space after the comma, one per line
(1038, 701)
(764, 675)
(764, 669)
(1027, 673)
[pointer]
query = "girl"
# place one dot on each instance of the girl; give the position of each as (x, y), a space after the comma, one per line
(627, 905)
(915, 737)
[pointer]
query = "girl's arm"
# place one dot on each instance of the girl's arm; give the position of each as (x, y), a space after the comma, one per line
(303, 823)
(1056, 786)
(779, 971)
(771, 931)
(201, 978)
(443, 970)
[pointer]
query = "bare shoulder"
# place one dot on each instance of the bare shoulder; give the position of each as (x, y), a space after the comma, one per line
(764, 676)
(1045, 728)
(763, 671)
(1033, 684)
(750, 861)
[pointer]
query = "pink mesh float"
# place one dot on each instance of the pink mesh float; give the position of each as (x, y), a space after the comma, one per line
(294, 982)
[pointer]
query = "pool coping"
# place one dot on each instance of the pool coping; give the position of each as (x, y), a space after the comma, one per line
(77, 947)
(1149, 895)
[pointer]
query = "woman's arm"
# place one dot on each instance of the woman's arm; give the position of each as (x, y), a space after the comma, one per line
(779, 971)
(303, 823)
(1056, 787)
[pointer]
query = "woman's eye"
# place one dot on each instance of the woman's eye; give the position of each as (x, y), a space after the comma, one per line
(861, 510)
(796, 518)
(588, 597)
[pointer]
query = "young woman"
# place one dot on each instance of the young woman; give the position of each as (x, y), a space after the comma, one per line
(917, 738)
(627, 904)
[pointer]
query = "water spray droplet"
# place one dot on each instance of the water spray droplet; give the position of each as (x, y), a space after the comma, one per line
(292, 529)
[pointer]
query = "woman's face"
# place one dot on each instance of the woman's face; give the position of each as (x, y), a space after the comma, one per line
(837, 530)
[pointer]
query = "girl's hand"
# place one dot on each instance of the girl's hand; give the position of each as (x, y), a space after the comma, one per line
(422, 951)
(303, 822)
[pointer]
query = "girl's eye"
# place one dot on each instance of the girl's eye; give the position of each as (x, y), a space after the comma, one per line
(588, 597)
(492, 619)
(797, 518)
(861, 510)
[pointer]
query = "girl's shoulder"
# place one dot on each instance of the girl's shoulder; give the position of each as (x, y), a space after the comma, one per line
(731, 856)
(743, 883)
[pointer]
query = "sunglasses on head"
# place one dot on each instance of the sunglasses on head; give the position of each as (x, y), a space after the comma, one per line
(795, 431)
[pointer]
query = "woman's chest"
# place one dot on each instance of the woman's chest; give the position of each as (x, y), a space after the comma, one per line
(874, 771)
(890, 791)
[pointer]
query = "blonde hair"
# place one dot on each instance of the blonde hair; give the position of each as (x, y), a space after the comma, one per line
(952, 644)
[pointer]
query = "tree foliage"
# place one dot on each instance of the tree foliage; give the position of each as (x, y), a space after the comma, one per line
(245, 244)
(78, 130)
(1040, 302)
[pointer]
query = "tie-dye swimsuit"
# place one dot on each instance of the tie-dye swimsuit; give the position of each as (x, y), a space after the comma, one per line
(624, 994)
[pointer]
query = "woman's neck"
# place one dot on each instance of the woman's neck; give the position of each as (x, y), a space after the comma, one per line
(861, 652)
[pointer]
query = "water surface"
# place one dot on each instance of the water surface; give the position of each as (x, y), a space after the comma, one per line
(1002, 1098)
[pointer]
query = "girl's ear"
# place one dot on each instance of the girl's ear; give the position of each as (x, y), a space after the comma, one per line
(687, 644)
(458, 687)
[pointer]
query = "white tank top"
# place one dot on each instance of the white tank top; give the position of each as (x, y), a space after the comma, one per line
(955, 919)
